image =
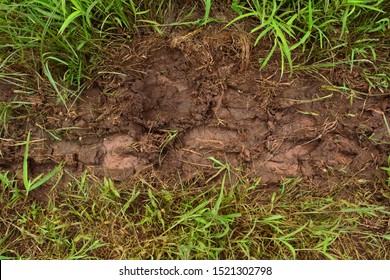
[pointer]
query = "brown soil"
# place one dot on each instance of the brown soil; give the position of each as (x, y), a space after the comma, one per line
(183, 99)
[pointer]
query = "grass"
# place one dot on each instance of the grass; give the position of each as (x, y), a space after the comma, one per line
(32, 184)
(54, 48)
(59, 37)
(313, 25)
(387, 169)
(221, 220)
(170, 136)
(11, 111)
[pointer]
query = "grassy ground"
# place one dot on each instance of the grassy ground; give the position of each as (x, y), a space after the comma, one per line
(56, 48)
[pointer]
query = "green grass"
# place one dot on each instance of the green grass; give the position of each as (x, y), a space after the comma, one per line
(11, 111)
(32, 184)
(228, 218)
(320, 29)
(58, 38)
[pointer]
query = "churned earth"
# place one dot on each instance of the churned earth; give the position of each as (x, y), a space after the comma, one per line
(175, 107)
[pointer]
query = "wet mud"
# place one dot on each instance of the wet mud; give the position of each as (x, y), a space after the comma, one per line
(189, 102)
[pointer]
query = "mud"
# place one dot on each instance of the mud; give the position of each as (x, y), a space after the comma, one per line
(200, 98)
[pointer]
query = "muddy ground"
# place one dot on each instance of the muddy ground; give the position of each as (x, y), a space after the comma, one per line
(179, 100)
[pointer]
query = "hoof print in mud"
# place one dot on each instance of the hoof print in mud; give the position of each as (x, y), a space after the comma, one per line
(122, 158)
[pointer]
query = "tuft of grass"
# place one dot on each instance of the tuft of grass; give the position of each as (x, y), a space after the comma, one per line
(171, 136)
(276, 25)
(320, 29)
(32, 184)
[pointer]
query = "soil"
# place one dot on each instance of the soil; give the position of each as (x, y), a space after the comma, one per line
(181, 100)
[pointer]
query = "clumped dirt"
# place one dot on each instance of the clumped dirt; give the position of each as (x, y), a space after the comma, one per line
(192, 96)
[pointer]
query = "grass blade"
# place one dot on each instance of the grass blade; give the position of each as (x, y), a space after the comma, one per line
(68, 20)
